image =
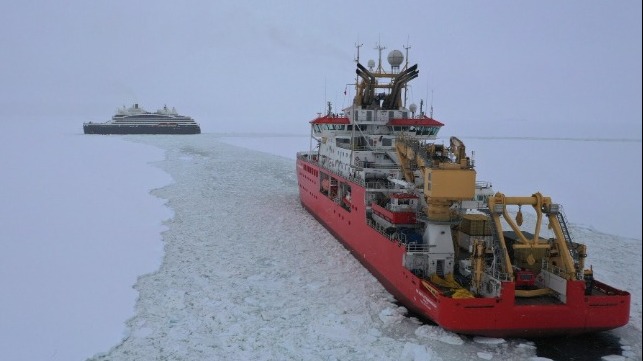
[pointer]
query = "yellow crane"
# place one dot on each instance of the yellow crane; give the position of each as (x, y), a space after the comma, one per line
(448, 175)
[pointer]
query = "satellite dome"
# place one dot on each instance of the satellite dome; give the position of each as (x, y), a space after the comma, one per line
(413, 107)
(371, 63)
(395, 58)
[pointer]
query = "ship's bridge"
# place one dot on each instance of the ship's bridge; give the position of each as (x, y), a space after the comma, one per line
(420, 126)
(372, 116)
(394, 122)
(331, 123)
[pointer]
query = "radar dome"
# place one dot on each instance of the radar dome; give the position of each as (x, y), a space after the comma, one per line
(371, 63)
(413, 107)
(395, 58)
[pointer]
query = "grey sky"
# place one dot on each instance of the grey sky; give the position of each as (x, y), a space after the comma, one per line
(546, 68)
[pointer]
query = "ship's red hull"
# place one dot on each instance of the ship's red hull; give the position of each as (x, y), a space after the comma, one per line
(492, 317)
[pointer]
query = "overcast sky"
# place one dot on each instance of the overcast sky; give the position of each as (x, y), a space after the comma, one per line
(545, 68)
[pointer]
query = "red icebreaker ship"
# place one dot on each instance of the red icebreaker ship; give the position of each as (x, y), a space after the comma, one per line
(446, 246)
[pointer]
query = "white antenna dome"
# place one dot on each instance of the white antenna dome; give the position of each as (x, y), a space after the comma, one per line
(371, 64)
(395, 58)
(413, 107)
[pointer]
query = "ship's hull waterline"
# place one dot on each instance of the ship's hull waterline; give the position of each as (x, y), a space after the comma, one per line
(107, 129)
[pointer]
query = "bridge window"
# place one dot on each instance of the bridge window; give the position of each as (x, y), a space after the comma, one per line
(342, 142)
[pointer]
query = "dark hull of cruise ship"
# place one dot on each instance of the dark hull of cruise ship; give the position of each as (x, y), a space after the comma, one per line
(140, 129)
